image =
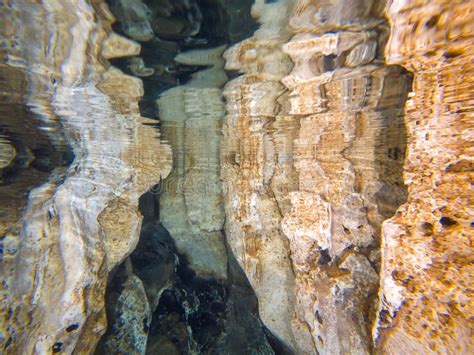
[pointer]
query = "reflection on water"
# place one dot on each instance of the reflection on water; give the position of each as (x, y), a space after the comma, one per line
(193, 296)
(69, 217)
(31, 143)
(200, 300)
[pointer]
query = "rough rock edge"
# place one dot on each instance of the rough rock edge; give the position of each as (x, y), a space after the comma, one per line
(426, 278)
(83, 222)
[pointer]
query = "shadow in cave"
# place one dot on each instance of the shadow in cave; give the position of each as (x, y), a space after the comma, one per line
(188, 314)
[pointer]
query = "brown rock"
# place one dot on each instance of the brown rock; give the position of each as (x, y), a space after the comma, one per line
(77, 225)
(256, 156)
(426, 275)
(320, 163)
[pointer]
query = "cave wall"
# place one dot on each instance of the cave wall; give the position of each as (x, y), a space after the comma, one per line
(249, 162)
(348, 154)
(426, 276)
(336, 99)
(312, 169)
(84, 220)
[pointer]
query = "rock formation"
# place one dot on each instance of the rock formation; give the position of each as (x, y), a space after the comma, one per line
(251, 155)
(319, 165)
(128, 314)
(7, 152)
(191, 197)
(348, 155)
(345, 254)
(134, 19)
(426, 276)
(83, 220)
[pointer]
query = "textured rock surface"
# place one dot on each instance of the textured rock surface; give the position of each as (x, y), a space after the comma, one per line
(191, 197)
(426, 277)
(319, 164)
(251, 157)
(312, 158)
(128, 315)
(7, 152)
(348, 155)
(84, 220)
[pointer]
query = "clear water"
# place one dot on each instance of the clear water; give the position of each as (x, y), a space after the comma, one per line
(194, 309)
(199, 300)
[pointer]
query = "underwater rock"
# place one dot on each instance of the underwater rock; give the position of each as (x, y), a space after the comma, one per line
(349, 106)
(116, 46)
(7, 153)
(312, 162)
(243, 331)
(134, 19)
(154, 261)
(128, 314)
(256, 154)
(426, 276)
(341, 257)
(195, 315)
(177, 19)
(315, 16)
(137, 67)
(191, 197)
(83, 220)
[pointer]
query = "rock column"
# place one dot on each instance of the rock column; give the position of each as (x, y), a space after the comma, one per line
(426, 278)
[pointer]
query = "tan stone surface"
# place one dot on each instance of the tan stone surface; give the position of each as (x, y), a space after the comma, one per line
(191, 196)
(319, 164)
(257, 170)
(349, 108)
(312, 154)
(427, 246)
(80, 223)
(116, 46)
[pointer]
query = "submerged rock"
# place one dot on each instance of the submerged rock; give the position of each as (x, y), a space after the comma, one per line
(195, 315)
(341, 257)
(426, 276)
(134, 19)
(187, 314)
(82, 220)
(7, 153)
(305, 164)
(191, 198)
(128, 314)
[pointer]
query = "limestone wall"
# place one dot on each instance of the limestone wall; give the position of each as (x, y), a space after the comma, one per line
(84, 220)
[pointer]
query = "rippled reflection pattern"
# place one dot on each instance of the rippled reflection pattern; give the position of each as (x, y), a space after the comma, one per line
(236, 176)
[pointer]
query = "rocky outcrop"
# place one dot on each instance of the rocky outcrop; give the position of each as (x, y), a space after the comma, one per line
(256, 163)
(348, 155)
(426, 276)
(128, 314)
(191, 197)
(317, 165)
(84, 220)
